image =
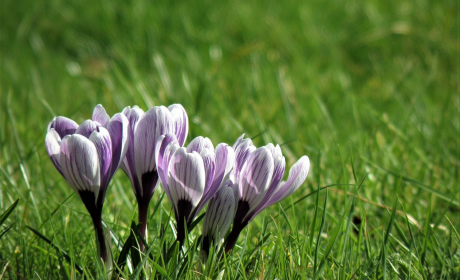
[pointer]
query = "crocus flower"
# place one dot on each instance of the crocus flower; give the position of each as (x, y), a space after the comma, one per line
(258, 173)
(191, 176)
(139, 164)
(87, 156)
(219, 216)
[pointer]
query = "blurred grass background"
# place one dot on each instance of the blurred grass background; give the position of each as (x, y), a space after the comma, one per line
(374, 80)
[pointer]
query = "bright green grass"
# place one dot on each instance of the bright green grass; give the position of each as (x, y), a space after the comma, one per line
(369, 90)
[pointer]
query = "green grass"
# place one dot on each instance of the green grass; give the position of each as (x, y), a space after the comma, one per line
(369, 90)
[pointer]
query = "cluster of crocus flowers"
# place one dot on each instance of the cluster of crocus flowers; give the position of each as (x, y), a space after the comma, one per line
(238, 182)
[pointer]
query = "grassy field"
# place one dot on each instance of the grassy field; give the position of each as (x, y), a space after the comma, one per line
(369, 90)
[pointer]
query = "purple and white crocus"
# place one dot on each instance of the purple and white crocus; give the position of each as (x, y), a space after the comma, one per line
(145, 129)
(258, 173)
(87, 156)
(191, 176)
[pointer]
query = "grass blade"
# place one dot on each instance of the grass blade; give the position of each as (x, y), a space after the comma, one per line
(64, 253)
(387, 235)
(321, 228)
(5, 230)
(195, 222)
(8, 212)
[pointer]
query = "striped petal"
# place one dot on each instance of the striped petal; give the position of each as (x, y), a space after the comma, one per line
(256, 176)
(220, 213)
(100, 115)
(128, 165)
(86, 128)
(101, 140)
(118, 131)
(278, 172)
(154, 123)
(186, 177)
(224, 160)
(238, 141)
(53, 142)
(243, 148)
(166, 146)
(199, 144)
(209, 162)
(180, 122)
(63, 126)
(297, 176)
(80, 164)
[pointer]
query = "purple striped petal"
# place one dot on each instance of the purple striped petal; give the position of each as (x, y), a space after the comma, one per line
(100, 115)
(86, 128)
(209, 161)
(256, 176)
(238, 141)
(154, 123)
(199, 144)
(180, 122)
(80, 165)
(224, 160)
(128, 165)
(103, 144)
(297, 176)
(118, 131)
(242, 148)
(165, 148)
(220, 213)
(53, 142)
(63, 126)
(186, 177)
(278, 172)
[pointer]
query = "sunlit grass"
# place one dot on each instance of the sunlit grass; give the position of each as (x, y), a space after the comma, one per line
(368, 90)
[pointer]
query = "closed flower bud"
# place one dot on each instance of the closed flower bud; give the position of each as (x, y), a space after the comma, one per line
(219, 215)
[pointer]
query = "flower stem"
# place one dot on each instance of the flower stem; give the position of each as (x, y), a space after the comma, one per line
(233, 237)
(102, 247)
(184, 208)
(143, 209)
(239, 223)
(95, 211)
